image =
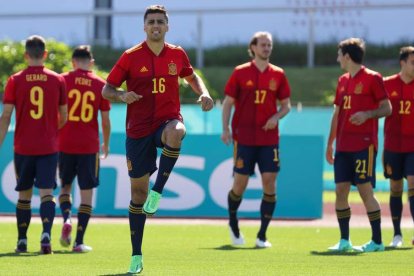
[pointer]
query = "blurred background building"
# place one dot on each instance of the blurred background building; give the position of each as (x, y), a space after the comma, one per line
(203, 24)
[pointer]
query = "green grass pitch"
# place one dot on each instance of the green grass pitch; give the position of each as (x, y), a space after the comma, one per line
(180, 249)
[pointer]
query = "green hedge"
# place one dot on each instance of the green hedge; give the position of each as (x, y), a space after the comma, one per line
(12, 59)
(295, 54)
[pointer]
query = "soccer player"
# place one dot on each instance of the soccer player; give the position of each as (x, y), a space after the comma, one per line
(360, 100)
(255, 89)
(399, 139)
(38, 95)
(151, 70)
(79, 143)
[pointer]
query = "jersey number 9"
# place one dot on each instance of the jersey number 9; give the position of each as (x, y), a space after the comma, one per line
(36, 98)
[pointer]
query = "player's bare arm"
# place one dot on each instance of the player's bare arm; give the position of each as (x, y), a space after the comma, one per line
(63, 115)
(383, 110)
(199, 87)
(227, 106)
(332, 136)
(284, 109)
(5, 119)
(110, 92)
(106, 131)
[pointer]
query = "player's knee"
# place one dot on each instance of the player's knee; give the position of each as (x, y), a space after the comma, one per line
(237, 192)
(66, 189)
(139, 195)
(396, 185)
(341, 192)
(174, 136)
(410, 182)
(367, 197)
(396, 190)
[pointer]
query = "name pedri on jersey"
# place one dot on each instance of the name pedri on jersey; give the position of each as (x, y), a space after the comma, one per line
(156, 79)
(80, 135)
(36, 93)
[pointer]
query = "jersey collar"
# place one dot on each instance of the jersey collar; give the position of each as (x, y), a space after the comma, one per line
(147, 48)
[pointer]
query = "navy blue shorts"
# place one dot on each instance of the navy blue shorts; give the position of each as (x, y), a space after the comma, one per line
(398, 164)
(84, 166)
(355, 167)
(141, 153)
(37, 170)
(246, 157)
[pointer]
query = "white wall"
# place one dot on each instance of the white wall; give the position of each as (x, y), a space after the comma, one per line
(72, 30)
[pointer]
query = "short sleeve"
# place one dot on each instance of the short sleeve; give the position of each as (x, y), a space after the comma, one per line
(9, 92)
(119, 72)
(378, 88)
(231, 88)
(63, 98)
(284, 89)
(105, 105)
(187, 69)
(338, 88)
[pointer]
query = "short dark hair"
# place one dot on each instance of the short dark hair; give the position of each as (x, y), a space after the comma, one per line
(35, 46)
(254, 40)
(82, 52)
(354, 47)
(156, 9)
(405, 52)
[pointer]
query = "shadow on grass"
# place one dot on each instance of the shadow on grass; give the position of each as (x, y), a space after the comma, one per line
(20, 255)
(354, 253)
(389, 248)
(335, 253)
(35, 254)
(66, 252)
(122, 274)
(229, 247)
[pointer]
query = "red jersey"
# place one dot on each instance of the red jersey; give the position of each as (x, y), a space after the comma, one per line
(80, 135)
(156, 79)
(36, 93)
(362, 92)
(256, 94)
(399, 126)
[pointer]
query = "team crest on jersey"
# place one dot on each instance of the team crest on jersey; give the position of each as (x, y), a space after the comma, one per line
(172, 69)
(394, 94)
(358, 88)
(272, 84)
(249, 83)
(342, 89)
(239, 163)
